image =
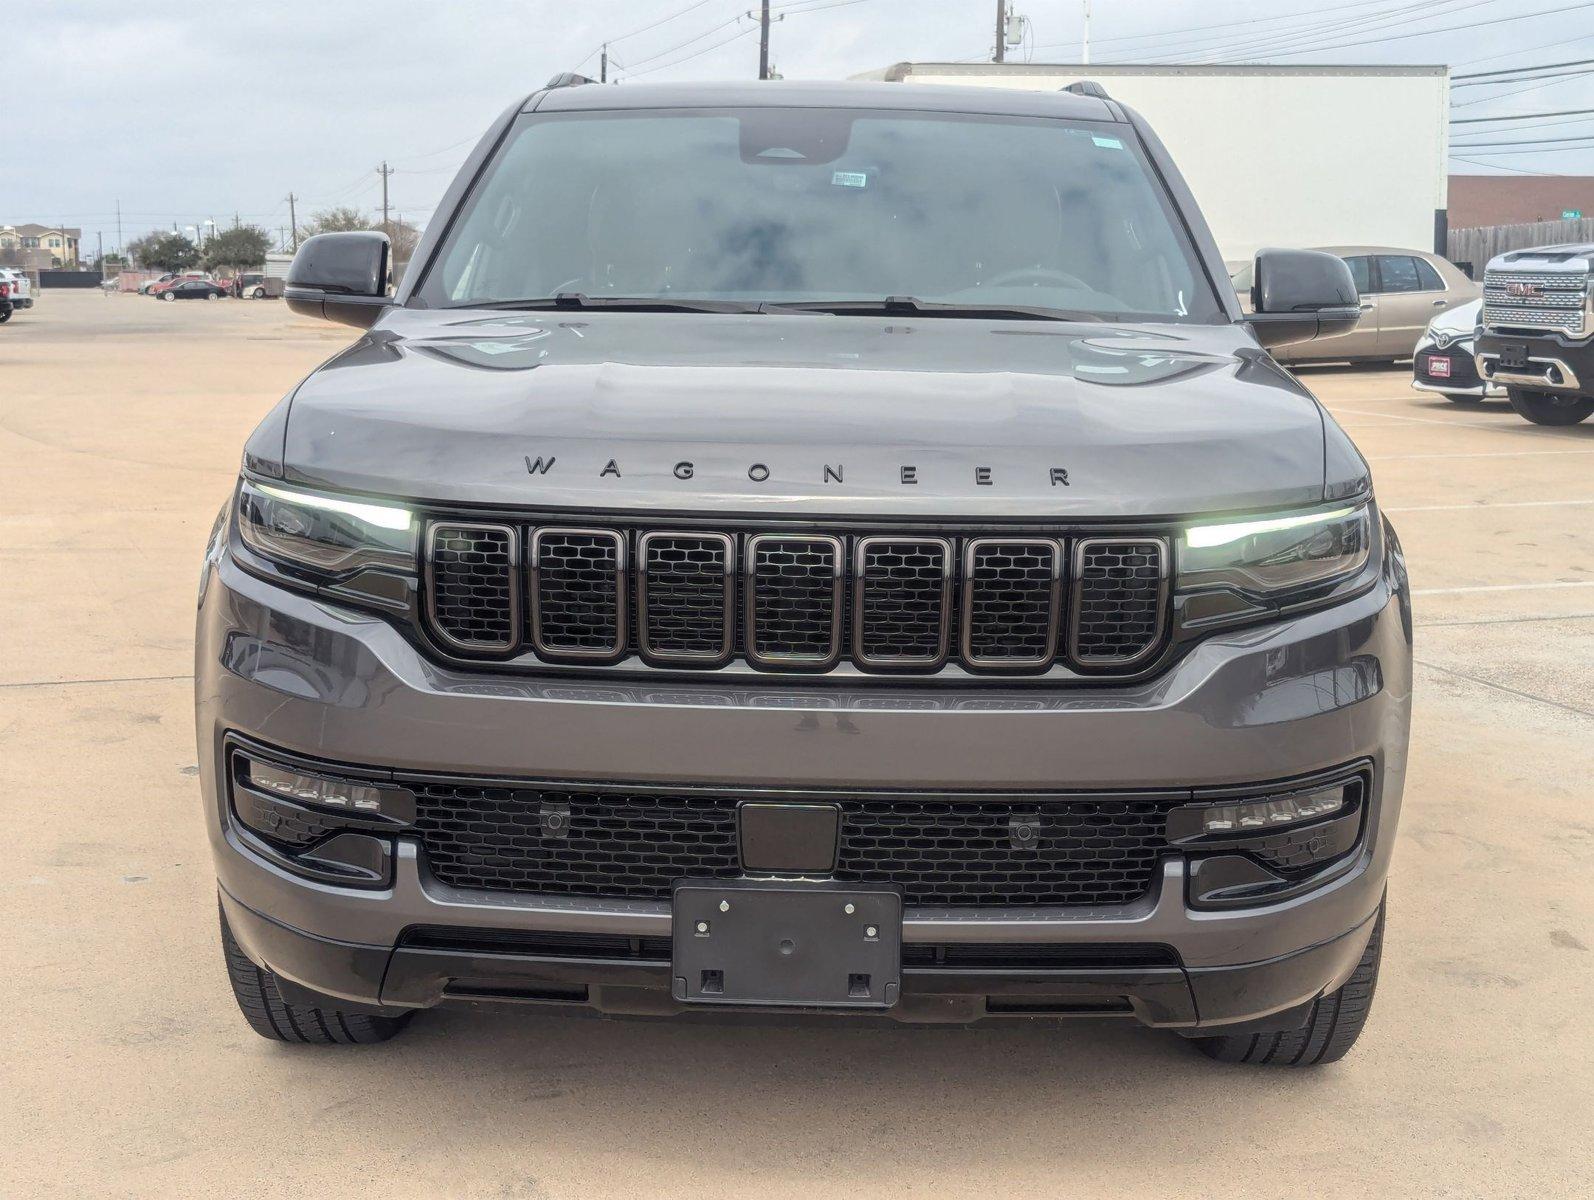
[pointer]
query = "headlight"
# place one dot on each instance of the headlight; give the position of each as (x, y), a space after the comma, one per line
(1274, 556)
(330, 535)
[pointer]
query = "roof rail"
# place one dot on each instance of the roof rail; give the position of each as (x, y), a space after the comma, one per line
(1088, 87)
(567, 79)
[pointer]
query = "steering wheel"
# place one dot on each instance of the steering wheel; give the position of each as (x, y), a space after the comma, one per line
(1035, 276)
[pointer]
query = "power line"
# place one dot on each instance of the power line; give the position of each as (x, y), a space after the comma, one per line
(1398, 37)
(1576, 137)
(1282, 42)
(1565, 112)
(1576, 62)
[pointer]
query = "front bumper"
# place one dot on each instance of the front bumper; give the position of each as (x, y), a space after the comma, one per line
(1554, 362)
(1462, 379)
(1304, 694)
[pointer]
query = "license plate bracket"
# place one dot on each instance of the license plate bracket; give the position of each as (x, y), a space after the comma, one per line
(1438, 366)
(786, 944)
(1513, 355)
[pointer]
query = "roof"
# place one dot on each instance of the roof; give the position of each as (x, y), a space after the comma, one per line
(29, 230)
(841, 94)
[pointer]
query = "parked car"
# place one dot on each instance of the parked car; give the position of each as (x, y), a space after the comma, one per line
(152, 286)
(256, 286)
(190, 289)
(1401, 291)
(1443, 361)
(1537, 337)
(738, 597)
(18, 290)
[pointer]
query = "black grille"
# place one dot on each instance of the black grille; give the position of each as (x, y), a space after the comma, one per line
(473, 585)
(1011, 592)
(794, 600)
(638, 845)
(902, 588)
(686, 596)
(578, 585)
(799, 601)
(1119, 597)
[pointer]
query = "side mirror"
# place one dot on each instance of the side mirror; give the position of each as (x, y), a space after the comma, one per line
(341, 277)
(1298, 295)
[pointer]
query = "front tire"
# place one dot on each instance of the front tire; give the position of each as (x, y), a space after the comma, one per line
(273, 1018)
(5, 315)
(168, 296)
(259, 293)
(1331, 1030)
(1550, 408)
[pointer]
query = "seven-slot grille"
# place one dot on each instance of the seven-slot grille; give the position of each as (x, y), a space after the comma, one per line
(799, 601)
(637, 845)
(1536, 300)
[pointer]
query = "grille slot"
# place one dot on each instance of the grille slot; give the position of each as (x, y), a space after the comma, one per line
(1012, 598)
(902, 591)
(473, 592)
(794, 588)
(1092, 850)
(578, 592)
(1120, 590)
(686, 597)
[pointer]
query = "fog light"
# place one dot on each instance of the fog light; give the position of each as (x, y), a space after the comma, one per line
(1273, 812)
(310, 789)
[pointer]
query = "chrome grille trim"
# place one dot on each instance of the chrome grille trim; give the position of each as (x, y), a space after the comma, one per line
(756, 619)
(1081, 584)
(437, 531)
(645, 613)
(864, 620)
(972, 622)
(1563, 302)
(538, 578)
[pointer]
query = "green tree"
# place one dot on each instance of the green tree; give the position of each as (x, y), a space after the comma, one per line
(238, 248)
(161, 251)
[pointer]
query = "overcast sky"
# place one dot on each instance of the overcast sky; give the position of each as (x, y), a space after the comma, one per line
(192, 109)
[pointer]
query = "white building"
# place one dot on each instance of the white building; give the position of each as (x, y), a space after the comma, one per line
(1276, 155)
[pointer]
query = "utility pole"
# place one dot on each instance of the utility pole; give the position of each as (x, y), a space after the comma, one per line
(384, 171)
(293, 221)
(118, 227)
(1001, 32)
(763, 40)
(1084, 53)
(603, 64)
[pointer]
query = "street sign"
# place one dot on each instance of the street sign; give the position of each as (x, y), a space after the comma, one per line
(1571, 214)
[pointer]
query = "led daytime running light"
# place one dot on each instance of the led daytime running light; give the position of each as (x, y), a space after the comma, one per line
(1202, 537)
(381, 516)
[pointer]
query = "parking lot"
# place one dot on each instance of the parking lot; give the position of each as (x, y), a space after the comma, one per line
(128, 1070)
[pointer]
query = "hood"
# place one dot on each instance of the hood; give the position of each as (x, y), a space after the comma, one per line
(809, 413)
(1458, 322)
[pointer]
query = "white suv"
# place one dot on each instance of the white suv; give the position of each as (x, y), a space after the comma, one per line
(16, 291)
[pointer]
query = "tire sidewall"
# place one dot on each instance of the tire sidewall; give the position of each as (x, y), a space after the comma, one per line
(1550, 408)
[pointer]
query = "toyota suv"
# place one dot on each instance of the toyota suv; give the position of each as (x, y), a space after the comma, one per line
(825, 549)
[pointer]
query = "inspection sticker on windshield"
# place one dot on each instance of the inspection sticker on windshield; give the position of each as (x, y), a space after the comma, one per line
(850, 179)
(1107, 143)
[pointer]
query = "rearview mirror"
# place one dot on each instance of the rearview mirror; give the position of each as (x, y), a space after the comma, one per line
(1298, 295)
(341, 277)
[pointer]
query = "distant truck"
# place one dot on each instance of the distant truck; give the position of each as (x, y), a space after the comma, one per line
(1536, 336)
(16, 292)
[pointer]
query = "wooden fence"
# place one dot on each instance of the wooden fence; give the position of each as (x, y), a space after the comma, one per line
(1477, 246)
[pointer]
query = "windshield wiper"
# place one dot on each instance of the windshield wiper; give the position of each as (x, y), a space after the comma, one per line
(580, 300)
(929, 308)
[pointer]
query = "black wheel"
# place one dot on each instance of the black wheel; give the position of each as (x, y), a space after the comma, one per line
(259, 293)
(5, 315)
(269, 1015)
(1330, 1032)
(1550, 408)
(212, 295)
(168, 295)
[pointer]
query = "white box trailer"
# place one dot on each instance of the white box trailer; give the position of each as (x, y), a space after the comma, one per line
(1276, 155)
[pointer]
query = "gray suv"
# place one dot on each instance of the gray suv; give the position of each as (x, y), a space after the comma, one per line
(808, 548)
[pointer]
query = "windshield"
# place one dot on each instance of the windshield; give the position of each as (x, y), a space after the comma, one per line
(810, 205)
